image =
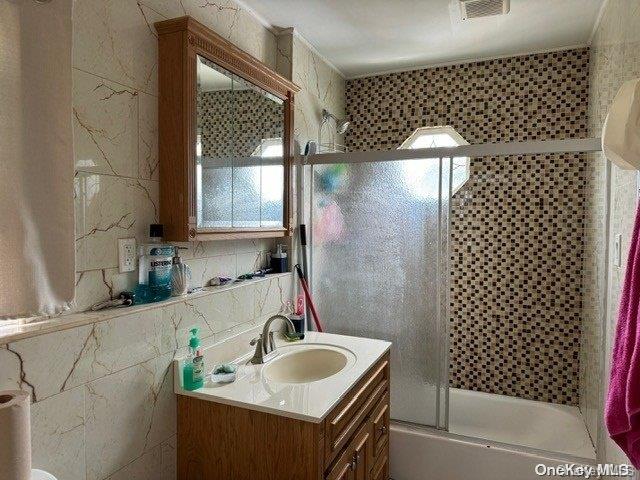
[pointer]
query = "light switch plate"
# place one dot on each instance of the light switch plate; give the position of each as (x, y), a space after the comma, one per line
(617, 250)
(126, 254)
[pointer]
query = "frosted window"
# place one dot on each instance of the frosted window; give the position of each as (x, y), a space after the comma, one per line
(436, 137)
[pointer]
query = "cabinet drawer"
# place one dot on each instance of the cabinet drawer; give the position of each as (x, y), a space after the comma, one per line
(356, 460)
(345, 419)
(380, 419)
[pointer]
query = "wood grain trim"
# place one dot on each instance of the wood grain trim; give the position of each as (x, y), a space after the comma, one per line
(179, 41)
(217, 441)
(363, 450)
(380, 418)
(289, 145)
(341, 438)
(227, 55)
(341, 469)
(349, 409)
(380, 470)
(349, 415)
(173, 142)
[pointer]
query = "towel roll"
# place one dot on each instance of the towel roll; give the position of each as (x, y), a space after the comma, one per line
(15, 432)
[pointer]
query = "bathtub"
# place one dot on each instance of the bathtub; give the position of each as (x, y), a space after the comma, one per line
(491, 437)
(539, 425)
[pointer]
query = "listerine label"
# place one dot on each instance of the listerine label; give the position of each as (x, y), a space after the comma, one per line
(159, 272)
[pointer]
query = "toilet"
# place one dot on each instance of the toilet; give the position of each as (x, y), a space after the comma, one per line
(41, 475)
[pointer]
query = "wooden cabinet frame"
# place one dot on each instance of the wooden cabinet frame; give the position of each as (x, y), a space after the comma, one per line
(180, 41)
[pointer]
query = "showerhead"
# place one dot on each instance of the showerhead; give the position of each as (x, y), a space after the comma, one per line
(341, 124)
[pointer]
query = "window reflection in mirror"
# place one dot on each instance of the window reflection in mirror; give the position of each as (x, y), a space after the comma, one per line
(239, 153)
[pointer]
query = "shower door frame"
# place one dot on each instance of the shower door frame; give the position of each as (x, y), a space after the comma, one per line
(535, 147)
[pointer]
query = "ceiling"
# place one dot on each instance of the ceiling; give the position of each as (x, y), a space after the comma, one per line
(365, 37)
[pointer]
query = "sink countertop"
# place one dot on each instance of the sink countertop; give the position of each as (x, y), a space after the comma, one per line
(304, 401)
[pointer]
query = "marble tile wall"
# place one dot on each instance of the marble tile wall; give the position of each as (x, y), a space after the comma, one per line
(115, 135)
(103, 405)
(322, 87)
(103, 402)
(615, 58)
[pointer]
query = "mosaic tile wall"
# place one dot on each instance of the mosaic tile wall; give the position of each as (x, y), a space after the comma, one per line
(517, 225)
(236, 122)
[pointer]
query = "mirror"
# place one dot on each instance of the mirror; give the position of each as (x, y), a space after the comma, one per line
(239, 152)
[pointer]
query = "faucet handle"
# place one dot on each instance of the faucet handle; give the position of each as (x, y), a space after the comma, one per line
(272, 343)
(255, 340)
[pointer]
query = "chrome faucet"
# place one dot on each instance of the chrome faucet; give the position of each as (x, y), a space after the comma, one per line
(265, 345)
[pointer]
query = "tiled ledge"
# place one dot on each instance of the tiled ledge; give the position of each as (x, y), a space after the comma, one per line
(18, 331)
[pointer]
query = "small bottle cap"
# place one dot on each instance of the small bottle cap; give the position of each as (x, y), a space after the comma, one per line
(194, 341)
(176, 256)
(279, 252)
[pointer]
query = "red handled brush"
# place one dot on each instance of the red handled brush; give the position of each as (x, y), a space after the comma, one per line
(307, 294)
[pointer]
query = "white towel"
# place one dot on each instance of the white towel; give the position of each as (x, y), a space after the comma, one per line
(37, 257)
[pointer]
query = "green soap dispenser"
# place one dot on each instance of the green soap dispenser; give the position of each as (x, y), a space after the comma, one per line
(193, 370)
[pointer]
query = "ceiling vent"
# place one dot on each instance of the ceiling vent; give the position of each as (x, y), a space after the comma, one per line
(483, 8)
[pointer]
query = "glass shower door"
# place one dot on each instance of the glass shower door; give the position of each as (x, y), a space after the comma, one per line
(379, 269)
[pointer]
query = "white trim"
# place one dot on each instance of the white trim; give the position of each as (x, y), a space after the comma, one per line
(535, 147)
(420, 131)
(596, 24)
(315, 51)
(557, 456)
(467, 61)
(228, 162)
(278, 31)
(265, 23)
(284, 31)
(601, 434)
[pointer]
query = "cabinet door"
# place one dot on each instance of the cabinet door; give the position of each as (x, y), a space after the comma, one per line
(355, 461)
(344, 420)
(363, 451)
(344, 468)
(380, 419)
(381, 468)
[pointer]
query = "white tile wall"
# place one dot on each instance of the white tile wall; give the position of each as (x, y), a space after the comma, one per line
(115, 135)
(615, 58)
(103, 396)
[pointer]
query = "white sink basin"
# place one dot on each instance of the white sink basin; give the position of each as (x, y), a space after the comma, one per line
(308, 364)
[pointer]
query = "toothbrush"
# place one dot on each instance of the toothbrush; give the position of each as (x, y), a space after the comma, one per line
(300, 305)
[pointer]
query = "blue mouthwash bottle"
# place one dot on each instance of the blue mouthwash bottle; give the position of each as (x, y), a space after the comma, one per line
(154, 268)
(193, 370)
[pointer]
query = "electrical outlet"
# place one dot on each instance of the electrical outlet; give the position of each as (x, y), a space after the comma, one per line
(617, 250)
(126, 254)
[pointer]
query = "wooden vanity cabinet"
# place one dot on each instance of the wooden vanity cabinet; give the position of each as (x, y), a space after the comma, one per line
(223, 442)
